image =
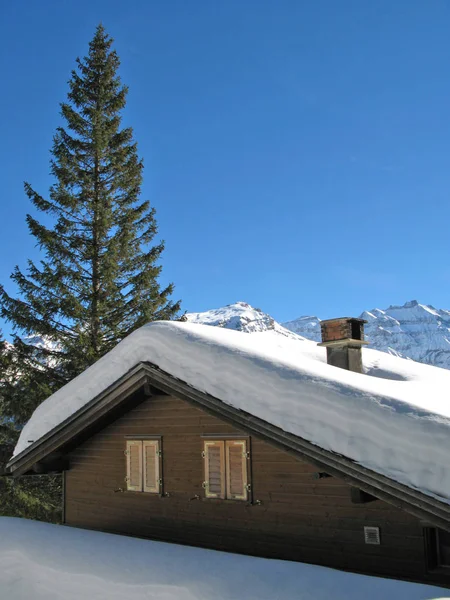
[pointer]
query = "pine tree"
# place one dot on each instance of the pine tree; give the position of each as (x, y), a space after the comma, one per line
(98, 279)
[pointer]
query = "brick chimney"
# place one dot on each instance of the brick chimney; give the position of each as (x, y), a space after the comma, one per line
(343, 338)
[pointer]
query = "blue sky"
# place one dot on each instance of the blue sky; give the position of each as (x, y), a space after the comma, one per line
(297, 152)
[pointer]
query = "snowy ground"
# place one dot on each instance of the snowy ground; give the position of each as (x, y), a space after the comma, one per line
(395, 419)
(39, 561)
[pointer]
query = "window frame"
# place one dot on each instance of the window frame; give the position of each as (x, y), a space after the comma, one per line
(159, 463)
(432, 551)
(247, 475)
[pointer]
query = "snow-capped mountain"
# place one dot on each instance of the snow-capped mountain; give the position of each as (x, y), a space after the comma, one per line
(240, 317)
(417, 331)
(414, 330)
(308, 327)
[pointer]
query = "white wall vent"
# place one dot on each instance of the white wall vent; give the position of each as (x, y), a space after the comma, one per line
(372, 535)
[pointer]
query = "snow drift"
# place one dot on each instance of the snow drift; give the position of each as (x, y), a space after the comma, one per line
(50, 562)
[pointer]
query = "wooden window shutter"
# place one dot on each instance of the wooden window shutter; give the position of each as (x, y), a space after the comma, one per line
(151, 466)
(214, 469)
(134, 465)
(236, 456)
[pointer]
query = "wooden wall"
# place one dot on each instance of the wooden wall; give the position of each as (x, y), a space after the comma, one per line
(299, 517)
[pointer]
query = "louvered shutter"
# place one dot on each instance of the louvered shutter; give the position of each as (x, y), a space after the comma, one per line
(151, 466)
(236, 453)
(134, 465)
(214, 469)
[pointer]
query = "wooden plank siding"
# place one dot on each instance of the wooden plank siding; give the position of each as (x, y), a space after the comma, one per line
(292, 516)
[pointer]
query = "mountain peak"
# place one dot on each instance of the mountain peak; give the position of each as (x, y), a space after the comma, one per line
(240, 316)
(409, 304)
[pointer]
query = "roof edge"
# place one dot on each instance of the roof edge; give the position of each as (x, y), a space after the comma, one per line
(129, 382)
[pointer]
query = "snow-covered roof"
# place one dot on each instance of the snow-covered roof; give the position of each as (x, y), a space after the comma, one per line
(395, 419)
(49, 562)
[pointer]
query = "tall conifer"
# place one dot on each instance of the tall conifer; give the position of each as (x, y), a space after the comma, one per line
(98, 278)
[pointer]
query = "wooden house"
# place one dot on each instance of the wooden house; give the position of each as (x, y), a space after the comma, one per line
(151, 455)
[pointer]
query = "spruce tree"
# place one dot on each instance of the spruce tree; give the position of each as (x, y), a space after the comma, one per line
(98, 278)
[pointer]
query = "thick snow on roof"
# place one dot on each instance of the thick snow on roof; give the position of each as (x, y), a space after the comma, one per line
(395, 419)
(50, 562)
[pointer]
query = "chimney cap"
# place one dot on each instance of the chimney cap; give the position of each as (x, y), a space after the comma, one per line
(343, 331)
(343, 319)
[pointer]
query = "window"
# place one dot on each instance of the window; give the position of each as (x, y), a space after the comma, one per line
(438, 546)
(144, 466)
(225, 467)
(443, 548)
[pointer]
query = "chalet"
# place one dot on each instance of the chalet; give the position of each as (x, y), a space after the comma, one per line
(257, 445)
